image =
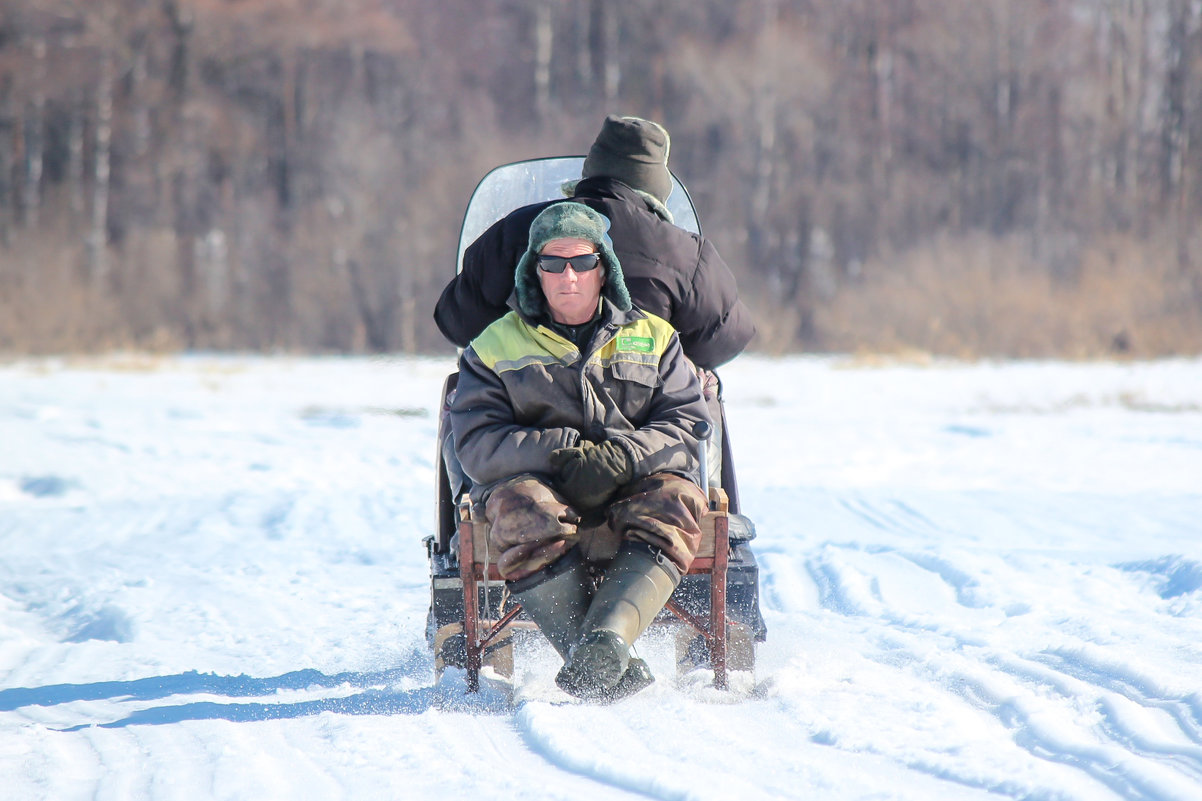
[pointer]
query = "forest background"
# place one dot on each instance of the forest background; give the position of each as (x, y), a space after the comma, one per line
(1017, 178)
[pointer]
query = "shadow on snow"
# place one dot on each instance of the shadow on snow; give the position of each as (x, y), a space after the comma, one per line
(376, 696)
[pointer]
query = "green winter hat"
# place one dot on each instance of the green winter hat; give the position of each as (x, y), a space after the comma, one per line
(633, 151)
(567, 220)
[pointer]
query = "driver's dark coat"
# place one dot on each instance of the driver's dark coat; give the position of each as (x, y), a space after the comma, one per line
(669, 272)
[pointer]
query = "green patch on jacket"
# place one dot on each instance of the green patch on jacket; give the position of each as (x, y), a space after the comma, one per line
(641, 341)
(636, 344)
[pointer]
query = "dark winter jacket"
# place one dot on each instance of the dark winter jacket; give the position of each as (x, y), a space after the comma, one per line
(670, 273)
(525, 390)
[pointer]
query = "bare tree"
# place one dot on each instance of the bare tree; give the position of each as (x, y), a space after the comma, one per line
(291, 173)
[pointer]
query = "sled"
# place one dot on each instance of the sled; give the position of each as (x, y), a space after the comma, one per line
(472, 619)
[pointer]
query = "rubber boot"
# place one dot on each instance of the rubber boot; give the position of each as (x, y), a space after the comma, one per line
(637, 584)
(557, 599)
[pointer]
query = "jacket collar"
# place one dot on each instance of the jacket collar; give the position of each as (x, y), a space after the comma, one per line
(604, 188)
(612, 318)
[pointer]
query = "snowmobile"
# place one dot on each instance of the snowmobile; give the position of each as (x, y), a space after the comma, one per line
(472, 619)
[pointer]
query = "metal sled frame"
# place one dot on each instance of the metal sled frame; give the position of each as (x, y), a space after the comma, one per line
(712, 560)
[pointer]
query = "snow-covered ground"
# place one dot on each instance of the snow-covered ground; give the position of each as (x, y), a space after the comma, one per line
(980, 581)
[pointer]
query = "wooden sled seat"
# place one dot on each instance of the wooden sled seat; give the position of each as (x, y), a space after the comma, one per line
(484, 637)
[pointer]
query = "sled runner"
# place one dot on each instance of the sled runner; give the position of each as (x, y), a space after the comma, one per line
(472, 618)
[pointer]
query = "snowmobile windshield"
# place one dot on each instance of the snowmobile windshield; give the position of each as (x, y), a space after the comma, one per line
(524, 182)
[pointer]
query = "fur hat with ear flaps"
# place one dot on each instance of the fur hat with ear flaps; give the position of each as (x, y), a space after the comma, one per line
(567, 221)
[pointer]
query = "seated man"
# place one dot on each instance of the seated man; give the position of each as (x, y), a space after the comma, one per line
(573, 418)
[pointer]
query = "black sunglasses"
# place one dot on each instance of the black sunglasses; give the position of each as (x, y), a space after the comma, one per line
(557, 264)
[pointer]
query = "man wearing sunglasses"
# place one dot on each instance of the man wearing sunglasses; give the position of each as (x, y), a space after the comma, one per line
(669, 271)
(573, 417)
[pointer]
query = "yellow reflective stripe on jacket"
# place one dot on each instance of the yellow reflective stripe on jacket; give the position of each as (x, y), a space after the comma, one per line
(507, 344)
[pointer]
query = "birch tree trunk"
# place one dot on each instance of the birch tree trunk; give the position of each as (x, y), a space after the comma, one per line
(582, 34)
(613, 68)
(7, 163)
(1175, 135)
(1126, 24)
(35, 125)
(543, 36)
(75, 166)
(141, 111)
(765, 115)
(1174, 123)
(98, 234)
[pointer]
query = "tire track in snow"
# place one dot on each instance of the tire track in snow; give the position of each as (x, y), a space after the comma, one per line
(1126, 743)
(856, 591)
(1060, 719)
(619, 758)
(572, 750)
(785, 584)
(847, 586)
(504, 749)
(892, 515)
(964, 584)
(1124, 695)
(912, 590)
(1137, 724)
(1040, 726)
(839, 591)
(1140, 745)
(1121, 679)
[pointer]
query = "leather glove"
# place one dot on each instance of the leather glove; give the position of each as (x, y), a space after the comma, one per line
(589, 474)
